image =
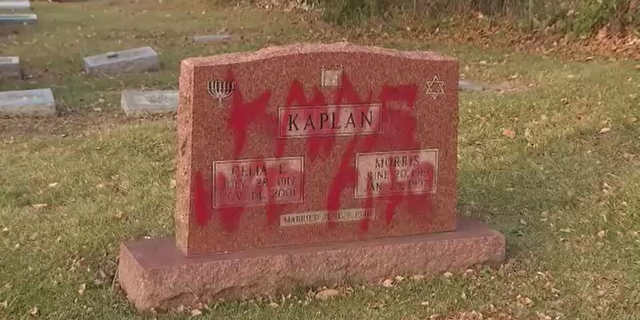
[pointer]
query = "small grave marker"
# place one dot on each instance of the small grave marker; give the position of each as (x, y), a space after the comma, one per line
(10, 68)
(212, 38)
(17, 19)
(15, 5)
(136, 60)
(466, 85)
(135, 103)
(37, 102)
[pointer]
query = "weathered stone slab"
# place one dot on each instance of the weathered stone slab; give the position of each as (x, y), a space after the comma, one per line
(18, 19)
(466, 85)
(154, 273)
(144, 102)
(37, 102)
(15, 5)
(136, 60)
(212, 38)
(10, 67)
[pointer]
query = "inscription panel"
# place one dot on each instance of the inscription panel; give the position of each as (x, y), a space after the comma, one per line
(319, 217)
(255, 182)
(396, 173)
(323, 121)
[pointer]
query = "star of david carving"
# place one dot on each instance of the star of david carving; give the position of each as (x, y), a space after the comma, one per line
(435, 87)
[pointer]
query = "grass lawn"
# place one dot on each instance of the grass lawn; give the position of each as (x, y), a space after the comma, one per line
(554, 165)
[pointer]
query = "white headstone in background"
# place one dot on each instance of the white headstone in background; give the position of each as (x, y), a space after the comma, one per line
(15, 5)
(17, 19)
(10, 68)
(37, 102)
(127, 61)
(212, 38)
(136, 103)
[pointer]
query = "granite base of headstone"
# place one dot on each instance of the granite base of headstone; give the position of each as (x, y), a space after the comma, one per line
(10, 68)
(137, 60)
(309, 165)
(139, 103)
(28, 103)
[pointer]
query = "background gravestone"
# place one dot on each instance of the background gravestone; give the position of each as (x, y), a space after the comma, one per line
(10, 68)
(37, 102)
(144, 102)
(305, 164)
(136, 60)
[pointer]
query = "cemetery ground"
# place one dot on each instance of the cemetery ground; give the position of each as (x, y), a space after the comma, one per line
(553, 162)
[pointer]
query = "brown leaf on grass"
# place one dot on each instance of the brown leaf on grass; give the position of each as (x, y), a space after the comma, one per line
(40, 205)
(327, 294)
(34, 311)
(604, 130)
(82, 289)
(195, 312)
(509, 133)
(388, 283)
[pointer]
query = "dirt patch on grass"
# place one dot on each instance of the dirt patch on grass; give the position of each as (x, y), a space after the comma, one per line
(76, 124)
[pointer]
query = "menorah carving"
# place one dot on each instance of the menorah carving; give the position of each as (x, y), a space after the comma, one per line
(221, 89)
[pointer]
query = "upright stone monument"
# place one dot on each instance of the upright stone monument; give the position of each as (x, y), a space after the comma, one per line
(306, 164)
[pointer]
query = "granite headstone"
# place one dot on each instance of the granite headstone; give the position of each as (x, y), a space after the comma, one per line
(14, 5)
(305, 164)
(36, 102)
(10, 68)
(18, 19)
(136, 60)
(135, 103)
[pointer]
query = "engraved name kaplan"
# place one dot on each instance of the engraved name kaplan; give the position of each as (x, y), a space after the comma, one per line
(329, 121)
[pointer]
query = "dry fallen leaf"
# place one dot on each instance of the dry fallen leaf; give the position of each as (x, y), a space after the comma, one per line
(40, 205)
(34, 311)
(601, 233)
(424, 303)
(387, 283)
(82, 289)
(509, 133)
(399, 278)
(448, 274)
(417, 277)
(605, 130)
(327, 293)
(195, 312)
(273, 305)
(53, 185)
